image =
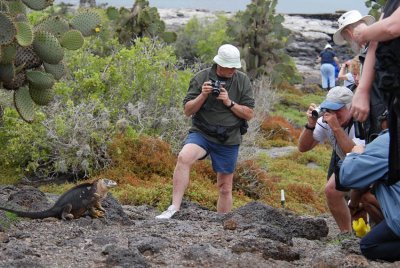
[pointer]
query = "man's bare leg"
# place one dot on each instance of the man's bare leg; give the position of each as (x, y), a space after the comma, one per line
(224, 182)
(338, 206)
(189, 154)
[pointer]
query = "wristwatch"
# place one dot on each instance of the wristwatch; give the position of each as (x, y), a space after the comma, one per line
(308, 127)
(232, 104)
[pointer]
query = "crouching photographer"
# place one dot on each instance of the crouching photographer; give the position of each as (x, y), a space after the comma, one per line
(356, 172)
(332, 122)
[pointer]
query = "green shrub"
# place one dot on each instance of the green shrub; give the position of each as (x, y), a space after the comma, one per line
(201, 39)
(24, 146)
(259, 33)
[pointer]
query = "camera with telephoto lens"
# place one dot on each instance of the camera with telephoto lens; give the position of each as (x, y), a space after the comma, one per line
(216, 87)
(318, 112)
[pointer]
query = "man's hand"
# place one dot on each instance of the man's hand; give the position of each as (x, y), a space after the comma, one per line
(312, 121)
(358, 149)
(206, 88)
(360, 105)
(224, 97)
(332, 120)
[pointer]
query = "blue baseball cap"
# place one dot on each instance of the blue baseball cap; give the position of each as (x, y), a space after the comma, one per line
(337, 98)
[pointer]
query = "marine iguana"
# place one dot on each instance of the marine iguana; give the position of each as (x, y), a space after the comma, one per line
(75, 202)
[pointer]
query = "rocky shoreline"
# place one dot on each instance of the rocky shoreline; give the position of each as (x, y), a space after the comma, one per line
(310, 33)
(255, 235)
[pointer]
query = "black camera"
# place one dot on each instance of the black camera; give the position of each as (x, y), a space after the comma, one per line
(216, 87)
(359, 130)
(318, 112)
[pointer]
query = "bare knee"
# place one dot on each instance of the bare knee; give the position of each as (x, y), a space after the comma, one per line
(330, 191)
(225, 190)
(184, 160)
(368, 198)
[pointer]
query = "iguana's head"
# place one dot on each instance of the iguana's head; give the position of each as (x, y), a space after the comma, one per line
(107, 183)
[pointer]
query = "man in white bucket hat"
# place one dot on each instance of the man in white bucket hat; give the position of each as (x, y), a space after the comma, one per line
(347, 23)
(220, 101)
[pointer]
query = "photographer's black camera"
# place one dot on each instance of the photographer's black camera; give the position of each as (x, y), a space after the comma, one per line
(216, 87)
(318, 112)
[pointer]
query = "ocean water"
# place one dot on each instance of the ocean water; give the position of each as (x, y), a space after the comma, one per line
(284, 6)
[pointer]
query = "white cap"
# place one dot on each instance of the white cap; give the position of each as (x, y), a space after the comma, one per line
(348, 18)
(336, 98)
(228, 56)
(328, 46)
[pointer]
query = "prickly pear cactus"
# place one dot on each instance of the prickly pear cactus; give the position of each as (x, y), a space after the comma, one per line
(261, 37)
(31, 55)
(141, 20)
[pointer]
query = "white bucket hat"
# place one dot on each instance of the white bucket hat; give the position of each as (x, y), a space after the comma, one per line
(228, 56)
(328, 46)
(346, 19)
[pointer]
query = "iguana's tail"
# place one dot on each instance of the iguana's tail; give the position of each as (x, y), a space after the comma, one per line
(33, 215)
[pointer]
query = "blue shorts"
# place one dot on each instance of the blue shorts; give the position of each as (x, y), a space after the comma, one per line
(223, 157)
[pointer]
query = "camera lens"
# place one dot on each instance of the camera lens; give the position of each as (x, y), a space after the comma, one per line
(315, 113)
(215, 92)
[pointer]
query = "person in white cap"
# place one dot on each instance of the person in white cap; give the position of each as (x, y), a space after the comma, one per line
(328, 61)
(220, 101)
(336, 126)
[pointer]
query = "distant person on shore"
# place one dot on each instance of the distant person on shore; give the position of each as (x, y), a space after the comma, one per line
(350, 73)
(350, 22)
(327, 58)
(220, 101)
(336, 126)
(369, 166)
(383, 69)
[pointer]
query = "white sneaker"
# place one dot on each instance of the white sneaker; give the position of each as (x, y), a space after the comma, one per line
(168, 213)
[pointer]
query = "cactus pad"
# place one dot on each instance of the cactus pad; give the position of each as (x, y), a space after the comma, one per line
(72, 40)
(7, 72)
(112, 13)
(18, 81)
(55, 25)
(24, 104)
(27, 58)
(8, 30)
(24, 34)
(47, 47)
(38, 4)
(16, 7)
(57, 70)
(41, 96)
(86, 22)
(8, 54)
(40, 79)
